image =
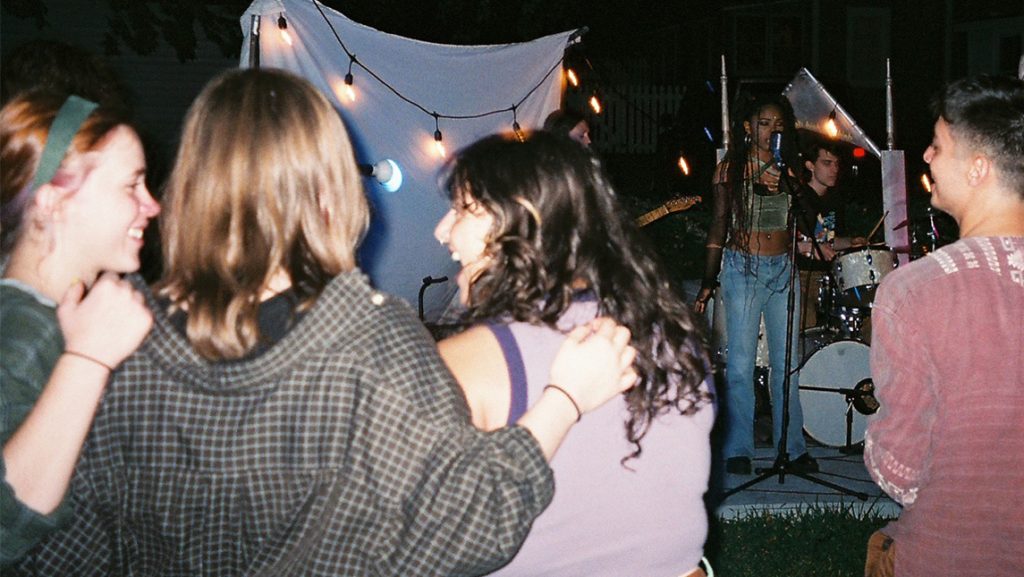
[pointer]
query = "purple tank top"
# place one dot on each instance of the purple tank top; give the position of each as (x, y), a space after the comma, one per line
(607, 519)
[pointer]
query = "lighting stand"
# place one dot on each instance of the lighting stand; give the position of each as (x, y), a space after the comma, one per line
(782, 465)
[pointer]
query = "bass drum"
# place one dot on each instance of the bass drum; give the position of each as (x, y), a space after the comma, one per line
(842, 364)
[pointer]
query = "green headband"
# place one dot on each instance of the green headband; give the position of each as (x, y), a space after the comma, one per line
(69, 119)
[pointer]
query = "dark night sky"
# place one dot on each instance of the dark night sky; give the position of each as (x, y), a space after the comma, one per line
(675, 40)
(683, 36)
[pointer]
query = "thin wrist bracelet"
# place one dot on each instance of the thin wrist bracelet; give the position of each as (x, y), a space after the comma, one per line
(89, 358)
(579, 413)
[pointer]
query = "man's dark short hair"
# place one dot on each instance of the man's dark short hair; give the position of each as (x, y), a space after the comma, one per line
(815, 146)
(988, 112)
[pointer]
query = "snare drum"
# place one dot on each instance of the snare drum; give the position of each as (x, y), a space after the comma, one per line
(857, 272)
(843, 364)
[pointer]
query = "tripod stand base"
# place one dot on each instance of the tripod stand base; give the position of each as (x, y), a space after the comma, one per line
(854, 449)
(783, 467)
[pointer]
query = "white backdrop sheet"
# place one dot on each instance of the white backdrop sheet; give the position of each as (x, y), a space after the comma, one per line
(400, 251)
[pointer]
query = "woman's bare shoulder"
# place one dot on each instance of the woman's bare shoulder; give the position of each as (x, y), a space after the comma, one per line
(476, 360)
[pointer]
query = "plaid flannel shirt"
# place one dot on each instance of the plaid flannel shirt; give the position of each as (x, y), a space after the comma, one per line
(345, 449)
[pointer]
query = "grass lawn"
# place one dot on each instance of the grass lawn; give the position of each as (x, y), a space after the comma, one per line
(815, 542)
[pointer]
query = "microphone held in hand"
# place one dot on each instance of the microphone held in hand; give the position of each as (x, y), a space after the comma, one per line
(775, 145)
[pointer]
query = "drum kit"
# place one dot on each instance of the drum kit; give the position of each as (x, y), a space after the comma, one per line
(836, 390)
(835, 374)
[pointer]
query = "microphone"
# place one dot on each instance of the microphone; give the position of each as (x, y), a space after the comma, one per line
(775, 145)
(386, 172)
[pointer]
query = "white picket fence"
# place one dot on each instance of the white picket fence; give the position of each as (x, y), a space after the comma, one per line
(630, 120)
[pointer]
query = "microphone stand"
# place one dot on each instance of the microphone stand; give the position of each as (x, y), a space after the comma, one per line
(783, 465)
(427, 281)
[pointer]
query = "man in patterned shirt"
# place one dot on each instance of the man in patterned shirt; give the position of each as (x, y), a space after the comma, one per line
(948, 442)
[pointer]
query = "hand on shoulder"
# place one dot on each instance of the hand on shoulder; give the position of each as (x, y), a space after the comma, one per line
(595, 363)
(108, 323)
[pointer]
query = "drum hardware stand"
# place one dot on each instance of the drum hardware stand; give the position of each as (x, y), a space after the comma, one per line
(862, 398)
(782, 465)
(933, 233)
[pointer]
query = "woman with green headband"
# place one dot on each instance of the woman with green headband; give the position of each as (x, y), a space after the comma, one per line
(74, 208)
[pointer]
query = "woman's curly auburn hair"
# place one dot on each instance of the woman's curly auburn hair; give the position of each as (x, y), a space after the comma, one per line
(558, 227)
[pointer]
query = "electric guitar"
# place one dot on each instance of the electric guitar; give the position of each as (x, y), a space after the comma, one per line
(675, 205)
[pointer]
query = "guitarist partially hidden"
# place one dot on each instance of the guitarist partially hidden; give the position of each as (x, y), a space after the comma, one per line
(675, 205)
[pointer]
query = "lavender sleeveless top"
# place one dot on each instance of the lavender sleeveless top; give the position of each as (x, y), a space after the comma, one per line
(606, 519)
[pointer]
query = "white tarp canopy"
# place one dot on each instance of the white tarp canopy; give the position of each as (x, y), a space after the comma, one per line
(457, 81)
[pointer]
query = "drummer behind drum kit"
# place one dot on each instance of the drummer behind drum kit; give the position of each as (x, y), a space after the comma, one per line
(835, 373)
(835, 376)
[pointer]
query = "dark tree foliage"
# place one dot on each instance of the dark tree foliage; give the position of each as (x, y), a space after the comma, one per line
(140, 26)
(29, 9)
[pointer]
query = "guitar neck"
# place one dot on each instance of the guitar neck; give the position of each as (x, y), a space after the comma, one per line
(674, 205)
(649, 217)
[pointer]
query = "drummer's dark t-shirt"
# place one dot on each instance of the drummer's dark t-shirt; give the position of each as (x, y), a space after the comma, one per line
(829, 215)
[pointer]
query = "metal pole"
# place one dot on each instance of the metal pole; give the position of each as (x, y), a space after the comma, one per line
(254, 42)
(716, 308)
(890, 139)
(724, 80)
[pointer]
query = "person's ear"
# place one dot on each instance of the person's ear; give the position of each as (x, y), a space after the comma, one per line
(809, 165)
(48, 202)
(746, 126)
(980, 168)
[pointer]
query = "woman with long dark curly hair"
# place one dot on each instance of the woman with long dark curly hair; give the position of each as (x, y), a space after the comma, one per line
(283, 417)
(544, 247)
(751, 226)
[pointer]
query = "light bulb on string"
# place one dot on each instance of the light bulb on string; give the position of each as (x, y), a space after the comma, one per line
(595, 103)
(282, 27)
(438, 145)
(926, 183)
(516, 129)
(350, 90)
(684, 166)
(831, 129)
(570, 75)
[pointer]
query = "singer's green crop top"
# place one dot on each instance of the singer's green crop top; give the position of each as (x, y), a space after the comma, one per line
(766, 212)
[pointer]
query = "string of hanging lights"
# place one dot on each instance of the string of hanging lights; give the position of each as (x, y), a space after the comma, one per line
(355, 65)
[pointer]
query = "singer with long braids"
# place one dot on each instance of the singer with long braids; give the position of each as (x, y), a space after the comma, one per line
(748, 243)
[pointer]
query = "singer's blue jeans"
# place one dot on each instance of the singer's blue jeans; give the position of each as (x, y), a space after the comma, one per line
(753, 285)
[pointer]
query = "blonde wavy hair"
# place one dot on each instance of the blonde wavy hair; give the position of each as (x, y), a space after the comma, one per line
(265, 181)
